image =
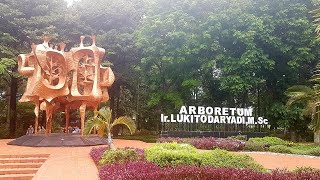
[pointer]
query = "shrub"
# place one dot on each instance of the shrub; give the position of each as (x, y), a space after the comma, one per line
(313, 151)
(208, 143)
(172, 154)
(96, 153)
(280, 149)
(144, 138)
(271, 141)
(119, 156)
(170, 140)
(223, 158)
(306, 170)
(221, 143)
(147, 170)
(254, 146)
(128, 171)
(174, 146)
(238, 137)
(140, 152)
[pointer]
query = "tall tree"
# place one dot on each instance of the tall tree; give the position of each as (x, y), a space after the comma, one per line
(236, 53)
(24, 22)
(114, 22)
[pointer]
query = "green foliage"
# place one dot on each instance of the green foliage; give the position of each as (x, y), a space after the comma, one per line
(288, 148)
(103, 122)
(305, 170)
(144, 138)
(254, 146)
(184, 52)
(269, 141)
(118, 156)
(25, 115)
(172, 154)
(316, 15)
(226, 52)
(238, 137)
(4, 132)
(310, 99)
(313, 151)
(280, 149)
(223, 158)
(176, 154)
(127, 121)
(305, 150)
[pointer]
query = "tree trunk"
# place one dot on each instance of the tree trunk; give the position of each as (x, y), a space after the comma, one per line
(317, 137)
(293, 136)
(12, 110)
(43, 119)
(113, 94)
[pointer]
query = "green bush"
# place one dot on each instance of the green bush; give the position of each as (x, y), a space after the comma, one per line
(144, 138)
(313, 151)
(175, 146)
(271, 141)
(172, 154)
(238, 137)
(306, 170)
(118, 156)
(254, 146)
(165, 154)
(280, 149)
(223, 158)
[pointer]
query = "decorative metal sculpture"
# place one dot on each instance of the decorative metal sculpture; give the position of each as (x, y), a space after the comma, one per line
(61, 81)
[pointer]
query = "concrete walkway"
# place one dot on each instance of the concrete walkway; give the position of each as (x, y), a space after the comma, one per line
(64, 163)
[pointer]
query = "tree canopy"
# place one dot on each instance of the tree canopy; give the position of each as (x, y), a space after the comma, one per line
(237, 53)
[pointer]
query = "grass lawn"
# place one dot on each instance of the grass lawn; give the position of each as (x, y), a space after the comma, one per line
(303, 148)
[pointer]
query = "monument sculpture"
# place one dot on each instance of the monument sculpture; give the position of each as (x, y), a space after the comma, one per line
(62, 81)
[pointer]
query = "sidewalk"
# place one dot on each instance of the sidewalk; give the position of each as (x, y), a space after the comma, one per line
(64, 163)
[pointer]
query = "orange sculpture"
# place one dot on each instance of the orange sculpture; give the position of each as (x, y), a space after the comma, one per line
(62, 81)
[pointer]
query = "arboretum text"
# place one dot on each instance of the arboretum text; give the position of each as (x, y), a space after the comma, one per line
(214, 115)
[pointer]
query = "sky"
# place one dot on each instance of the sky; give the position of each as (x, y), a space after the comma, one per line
(69, 2)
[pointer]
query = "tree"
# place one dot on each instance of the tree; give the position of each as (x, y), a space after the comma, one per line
(114, 21)
(22, 23)
(103, 123)
(310, 98)
(230, 53)
(170, 42)
(171, 53)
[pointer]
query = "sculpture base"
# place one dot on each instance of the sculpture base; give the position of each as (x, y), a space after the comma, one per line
(58, 140)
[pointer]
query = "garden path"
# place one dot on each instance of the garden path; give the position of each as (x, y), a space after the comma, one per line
(72, 163)
(75, 163)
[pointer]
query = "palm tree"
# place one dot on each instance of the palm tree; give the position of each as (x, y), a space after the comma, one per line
(311, 98)
(103, 123)
(316, 21)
